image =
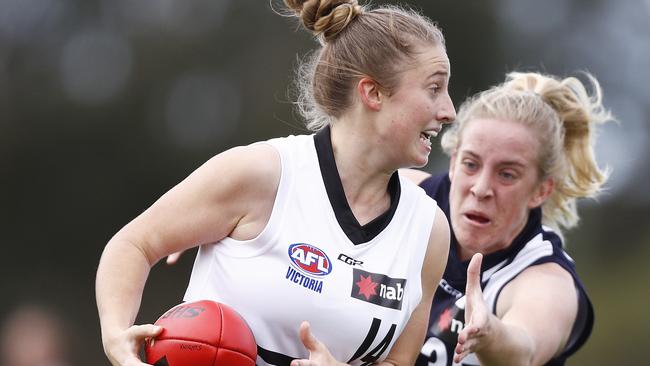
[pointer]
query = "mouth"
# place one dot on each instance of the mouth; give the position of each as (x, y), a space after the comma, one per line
(425, 136)
(477, 218)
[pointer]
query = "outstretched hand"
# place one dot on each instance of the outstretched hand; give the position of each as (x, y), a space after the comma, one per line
(473, 336)
(319, 355)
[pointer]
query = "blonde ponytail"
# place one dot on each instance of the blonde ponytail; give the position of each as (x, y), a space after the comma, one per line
(579, 114)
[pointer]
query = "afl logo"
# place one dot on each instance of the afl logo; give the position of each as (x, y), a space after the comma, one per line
(309, 259)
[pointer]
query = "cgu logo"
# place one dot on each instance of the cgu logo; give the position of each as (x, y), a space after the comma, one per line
(310, 259)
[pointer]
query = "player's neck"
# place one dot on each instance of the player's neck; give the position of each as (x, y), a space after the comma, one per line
(364, 181)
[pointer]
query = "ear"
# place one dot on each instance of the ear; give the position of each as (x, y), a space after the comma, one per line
(542, 192)
(369, 93)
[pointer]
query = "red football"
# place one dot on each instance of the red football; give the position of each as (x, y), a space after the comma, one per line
(202, 333)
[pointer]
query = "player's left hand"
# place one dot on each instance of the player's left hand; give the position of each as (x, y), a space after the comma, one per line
(477, 316)
(319, 355)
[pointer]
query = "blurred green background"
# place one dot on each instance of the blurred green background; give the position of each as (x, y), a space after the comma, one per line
(105, 105)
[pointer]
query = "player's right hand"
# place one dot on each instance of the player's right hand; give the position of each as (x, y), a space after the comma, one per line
(477, 316)
(122, 348)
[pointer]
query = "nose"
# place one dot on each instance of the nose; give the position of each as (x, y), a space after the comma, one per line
(482, 186)
(447, 112)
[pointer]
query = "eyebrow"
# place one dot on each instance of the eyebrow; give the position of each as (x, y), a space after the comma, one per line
(443, 73)
(515, 163)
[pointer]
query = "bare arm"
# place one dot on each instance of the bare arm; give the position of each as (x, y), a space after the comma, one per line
(201, 209)
(513, 336)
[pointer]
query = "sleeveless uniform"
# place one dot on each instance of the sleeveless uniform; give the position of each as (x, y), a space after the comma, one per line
(536, 244)
(356, 285)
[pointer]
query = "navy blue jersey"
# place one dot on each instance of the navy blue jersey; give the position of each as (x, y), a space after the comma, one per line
(536, 244)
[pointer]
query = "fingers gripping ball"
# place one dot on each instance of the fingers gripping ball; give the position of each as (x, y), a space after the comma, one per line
(202, 333)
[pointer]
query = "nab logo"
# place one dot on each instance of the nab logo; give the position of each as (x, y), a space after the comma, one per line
(309, 259)
(378, 289)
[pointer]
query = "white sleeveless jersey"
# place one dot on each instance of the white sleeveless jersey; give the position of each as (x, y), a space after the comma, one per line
(302, 266)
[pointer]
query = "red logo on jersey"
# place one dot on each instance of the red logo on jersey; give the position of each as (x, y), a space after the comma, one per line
(445, 320)
(367, 288)
(309, 259)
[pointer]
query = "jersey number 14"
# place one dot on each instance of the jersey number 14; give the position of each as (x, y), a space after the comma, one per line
(373, 355)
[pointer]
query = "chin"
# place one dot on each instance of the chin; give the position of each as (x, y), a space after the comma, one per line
(473, 242)
(421, 161)
(419, 165)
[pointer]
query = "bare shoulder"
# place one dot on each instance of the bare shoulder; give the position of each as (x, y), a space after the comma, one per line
(548, 271)
(549, 292)
(546, 275)
(252, 169)
(232, 189)
(253, 161)
(414, 175)
(547, 283)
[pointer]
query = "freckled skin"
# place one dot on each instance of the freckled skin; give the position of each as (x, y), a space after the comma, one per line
(420, 102)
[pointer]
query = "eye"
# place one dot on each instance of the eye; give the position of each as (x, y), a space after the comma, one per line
(434, 88)
(469, 165)
(508, 175)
